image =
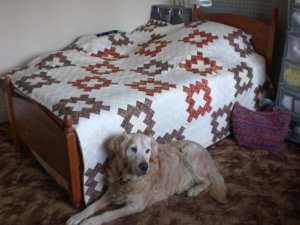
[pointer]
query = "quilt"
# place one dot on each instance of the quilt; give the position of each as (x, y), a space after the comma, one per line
(169, 81)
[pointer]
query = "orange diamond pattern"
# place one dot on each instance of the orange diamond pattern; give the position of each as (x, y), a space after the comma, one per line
(193, 90)
(102, 68)
(208, 67)
(96, 81)
(151, 86)
(109, 54)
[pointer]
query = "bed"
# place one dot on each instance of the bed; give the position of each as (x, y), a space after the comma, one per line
(168, 81)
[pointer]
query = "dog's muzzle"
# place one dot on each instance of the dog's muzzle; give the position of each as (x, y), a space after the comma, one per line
(144, 166)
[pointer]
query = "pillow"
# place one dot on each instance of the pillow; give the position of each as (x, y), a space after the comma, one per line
(265, 130)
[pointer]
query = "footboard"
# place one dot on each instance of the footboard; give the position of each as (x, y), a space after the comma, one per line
(51, 140)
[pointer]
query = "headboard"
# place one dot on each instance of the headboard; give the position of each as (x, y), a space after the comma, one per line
(263, 34)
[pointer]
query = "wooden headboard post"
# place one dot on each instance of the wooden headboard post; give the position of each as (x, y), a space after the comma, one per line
(263, 34)
(195, 12)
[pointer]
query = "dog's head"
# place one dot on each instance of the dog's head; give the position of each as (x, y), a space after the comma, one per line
(136, 150)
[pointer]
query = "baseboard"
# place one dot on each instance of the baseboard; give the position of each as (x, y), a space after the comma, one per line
(3, 115)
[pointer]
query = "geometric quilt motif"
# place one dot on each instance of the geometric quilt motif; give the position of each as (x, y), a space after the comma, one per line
(90, 83)
(219, 118)
(119, 39)
(138, 118)
(151, 86)
(24, 67)
(151, 25)
(200, 65)
(28, 83)
(54, 61)
(157, 36)
(91, 183)
(109, 54)
(240, 43)
(176, 134)
(73, 46)
(243, 75)
(263, 91)
(152, 47)
(192, 24)
(102, 68)
(81, 106)
(153, 68)
(199, 38)
(198, 99)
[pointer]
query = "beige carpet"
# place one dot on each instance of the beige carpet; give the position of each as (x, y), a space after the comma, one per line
(264, 190)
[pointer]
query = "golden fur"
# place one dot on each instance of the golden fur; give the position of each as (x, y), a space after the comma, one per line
(143, 172)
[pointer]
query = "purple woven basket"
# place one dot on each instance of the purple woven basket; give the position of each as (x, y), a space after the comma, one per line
(265, 130)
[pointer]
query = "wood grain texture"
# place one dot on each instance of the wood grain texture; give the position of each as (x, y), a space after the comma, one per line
(50, 138)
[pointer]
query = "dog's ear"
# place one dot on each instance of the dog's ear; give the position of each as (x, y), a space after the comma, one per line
(154, 149)
(117, 144)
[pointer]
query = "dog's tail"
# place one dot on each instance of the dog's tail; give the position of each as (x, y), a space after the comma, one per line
(218, 189)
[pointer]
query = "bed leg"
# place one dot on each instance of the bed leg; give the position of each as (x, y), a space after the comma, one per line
(8, 91)
(74, 174)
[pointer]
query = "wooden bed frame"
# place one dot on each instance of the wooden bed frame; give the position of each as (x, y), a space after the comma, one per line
(54, 141)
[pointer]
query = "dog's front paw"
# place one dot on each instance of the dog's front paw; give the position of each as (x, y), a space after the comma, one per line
(192, 192)
(90, 221)
(74, 220)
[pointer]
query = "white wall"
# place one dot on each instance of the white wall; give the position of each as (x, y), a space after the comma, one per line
(32, 27)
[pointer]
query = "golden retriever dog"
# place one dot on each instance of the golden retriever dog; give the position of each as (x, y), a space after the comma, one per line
(143, 172)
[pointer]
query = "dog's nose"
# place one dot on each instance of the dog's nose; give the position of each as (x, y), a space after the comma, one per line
(144, 166)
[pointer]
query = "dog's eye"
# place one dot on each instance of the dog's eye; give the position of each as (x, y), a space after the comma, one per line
(147, 151)
(134, 149)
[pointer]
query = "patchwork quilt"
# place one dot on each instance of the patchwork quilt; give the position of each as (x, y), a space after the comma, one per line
(169, 81)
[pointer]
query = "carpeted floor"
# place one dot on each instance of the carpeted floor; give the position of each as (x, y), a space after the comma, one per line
(264, 189)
